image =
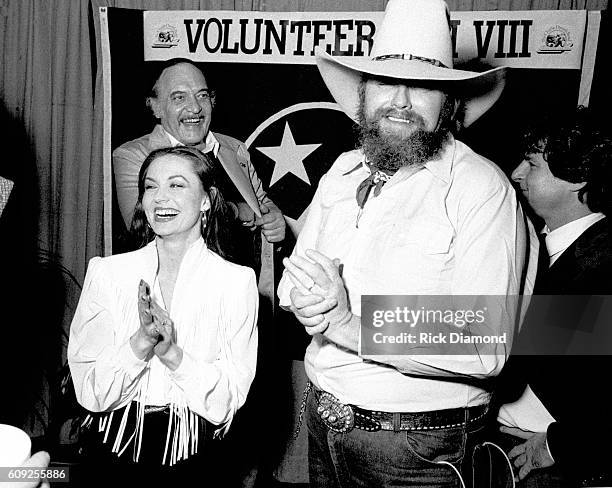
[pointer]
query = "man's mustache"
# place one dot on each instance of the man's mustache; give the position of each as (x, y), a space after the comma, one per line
(409, 115)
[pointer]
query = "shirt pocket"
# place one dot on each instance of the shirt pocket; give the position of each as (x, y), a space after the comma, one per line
(418, 258)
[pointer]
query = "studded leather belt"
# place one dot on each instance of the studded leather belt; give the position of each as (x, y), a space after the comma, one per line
(341, 417)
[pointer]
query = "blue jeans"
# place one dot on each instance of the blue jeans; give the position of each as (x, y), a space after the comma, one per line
(386, 458)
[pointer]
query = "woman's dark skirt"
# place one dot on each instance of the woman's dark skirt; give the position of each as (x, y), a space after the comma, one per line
(101, 467)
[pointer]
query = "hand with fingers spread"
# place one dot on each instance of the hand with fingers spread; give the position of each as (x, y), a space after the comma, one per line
(532, 454)
(319, 299)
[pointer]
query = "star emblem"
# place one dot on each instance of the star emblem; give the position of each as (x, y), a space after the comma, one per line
(296, 225)
(289, 157)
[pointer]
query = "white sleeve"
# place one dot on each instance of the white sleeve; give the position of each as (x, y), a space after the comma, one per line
(307, 239)
(216, 390)
(105, 372)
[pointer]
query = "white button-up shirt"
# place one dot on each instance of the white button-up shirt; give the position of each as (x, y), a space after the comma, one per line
(452, 228)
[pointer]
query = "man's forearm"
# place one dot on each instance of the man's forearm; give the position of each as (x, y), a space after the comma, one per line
(346, 334)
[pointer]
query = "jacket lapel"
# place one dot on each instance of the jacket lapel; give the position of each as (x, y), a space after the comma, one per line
(159, 138)
(230, 163)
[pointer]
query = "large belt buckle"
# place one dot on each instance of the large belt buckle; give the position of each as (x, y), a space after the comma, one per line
(335, 415)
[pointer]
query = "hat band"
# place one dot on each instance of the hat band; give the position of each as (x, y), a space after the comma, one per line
(409, 57)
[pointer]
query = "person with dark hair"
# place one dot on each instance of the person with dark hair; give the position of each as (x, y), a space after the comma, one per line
(577, 150)
(413, 212)
(215, 232)
(183, 102)
(561, 422)
(163, 343)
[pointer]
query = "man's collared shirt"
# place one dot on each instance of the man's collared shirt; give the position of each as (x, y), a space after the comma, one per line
(558, 240)
(210, 144)
(453, 227)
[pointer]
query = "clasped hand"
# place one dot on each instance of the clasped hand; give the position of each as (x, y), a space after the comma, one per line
(156, 333)
(319, 299)
(271, 222)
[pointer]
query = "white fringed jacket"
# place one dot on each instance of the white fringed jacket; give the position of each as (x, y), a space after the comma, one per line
(214, 309)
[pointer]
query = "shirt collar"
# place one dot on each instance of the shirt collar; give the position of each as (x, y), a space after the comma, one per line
(194, 246)
(210, 144)
(561, 238)
(195, 255)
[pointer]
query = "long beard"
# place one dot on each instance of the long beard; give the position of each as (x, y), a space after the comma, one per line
(389, 152)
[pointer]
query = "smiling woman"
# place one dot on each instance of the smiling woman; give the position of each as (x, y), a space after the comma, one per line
(177, 186)
(175, 358)
(174, 200)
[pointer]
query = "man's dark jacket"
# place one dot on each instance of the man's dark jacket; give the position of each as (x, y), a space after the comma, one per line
(574, 388)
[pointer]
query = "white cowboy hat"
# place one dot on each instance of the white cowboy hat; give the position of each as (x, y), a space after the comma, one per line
(413, 42)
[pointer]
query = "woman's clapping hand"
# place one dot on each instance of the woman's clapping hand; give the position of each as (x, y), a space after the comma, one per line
(156, 334)
(149, 326)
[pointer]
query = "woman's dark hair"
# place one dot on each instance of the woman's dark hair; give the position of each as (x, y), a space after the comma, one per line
(216, 231)
(577, 149)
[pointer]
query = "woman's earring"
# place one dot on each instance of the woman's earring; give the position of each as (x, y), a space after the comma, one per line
(204, 220)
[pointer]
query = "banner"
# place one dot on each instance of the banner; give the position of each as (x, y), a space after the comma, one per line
(521, 39)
